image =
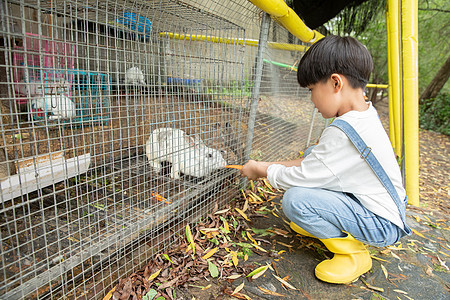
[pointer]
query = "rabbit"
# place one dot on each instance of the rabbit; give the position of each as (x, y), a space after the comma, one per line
(187, 155)
(134, 76)
(60, 106)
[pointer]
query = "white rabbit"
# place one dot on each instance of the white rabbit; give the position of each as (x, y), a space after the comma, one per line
(134, 76)
(60, 106)
(188, 155)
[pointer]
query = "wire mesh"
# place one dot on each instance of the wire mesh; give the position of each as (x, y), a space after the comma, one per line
(91, 187)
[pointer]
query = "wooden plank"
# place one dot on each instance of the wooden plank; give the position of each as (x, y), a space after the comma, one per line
(33, 177)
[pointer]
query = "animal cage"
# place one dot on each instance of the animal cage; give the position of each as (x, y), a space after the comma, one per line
(130, 145)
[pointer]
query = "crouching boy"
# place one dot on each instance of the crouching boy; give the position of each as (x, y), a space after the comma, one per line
(348, 191)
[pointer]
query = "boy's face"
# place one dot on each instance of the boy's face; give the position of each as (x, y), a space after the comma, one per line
(323, 95)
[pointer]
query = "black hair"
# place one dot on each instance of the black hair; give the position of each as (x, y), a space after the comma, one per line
(335, 54)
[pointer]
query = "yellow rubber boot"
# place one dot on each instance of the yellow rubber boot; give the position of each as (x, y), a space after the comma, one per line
(351, 260)
(299, 230)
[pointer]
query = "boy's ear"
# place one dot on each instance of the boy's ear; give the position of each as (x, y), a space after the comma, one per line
(337, 80)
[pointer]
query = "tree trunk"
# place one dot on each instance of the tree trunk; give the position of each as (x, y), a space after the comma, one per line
(437, 83)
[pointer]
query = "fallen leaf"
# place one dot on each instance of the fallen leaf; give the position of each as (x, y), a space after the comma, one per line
(375, 288)
(189, 238)
(242, 213)
(154, 275)
(380, 259)
(386, 274)
(245, 206)
(210, 253)
(257, 272)
(235, 276)
(238, 288)
(284, 282)
(418, 233)
(221, 211)
(234, 258)
(269, 292)
(212, 268)
(400, 292)
(109, 295)
(429, 271)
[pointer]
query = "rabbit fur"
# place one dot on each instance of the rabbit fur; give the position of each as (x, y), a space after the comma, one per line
(187, 155)
(60, 106)
(134, 76)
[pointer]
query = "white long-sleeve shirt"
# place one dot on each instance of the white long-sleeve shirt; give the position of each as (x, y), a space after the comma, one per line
(335, 164)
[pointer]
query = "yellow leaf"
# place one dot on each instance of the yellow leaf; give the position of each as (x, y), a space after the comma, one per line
(400, 291)
(417, 218)
(281, 251)
(226, 226)
(256, 197)
(252, 186)
(245, 257)
(235, 276)
(269, 292)
(242, 213)
(154, 275)
(243, 194)
(380, 259)
(259, 248)
(418, 233)
(428, 219)
(266, 183)
(206, 287)
(210, 253)
(234, 258)
(250, 237)
(109, 295)
(238, 288)
(284, 282)
(189, 238)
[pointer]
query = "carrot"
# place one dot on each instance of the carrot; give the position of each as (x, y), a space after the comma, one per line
(238, 167)
(160, 198)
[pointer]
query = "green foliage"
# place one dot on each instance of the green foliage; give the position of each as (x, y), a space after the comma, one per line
(434, 28)
(434, 114)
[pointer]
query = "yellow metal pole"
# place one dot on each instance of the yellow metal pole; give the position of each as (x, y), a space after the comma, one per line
(390, 92)
(284, 15)
(215, 39)
(395, 109)
(377, 85)
(410, 98)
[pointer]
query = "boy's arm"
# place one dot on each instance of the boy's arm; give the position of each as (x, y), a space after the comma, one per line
(258, 169)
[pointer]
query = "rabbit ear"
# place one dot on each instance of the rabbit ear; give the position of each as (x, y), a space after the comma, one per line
(191, 141)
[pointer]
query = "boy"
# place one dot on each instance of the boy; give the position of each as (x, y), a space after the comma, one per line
(337, 193)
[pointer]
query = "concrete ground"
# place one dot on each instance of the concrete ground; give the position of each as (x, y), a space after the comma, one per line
(415, 268)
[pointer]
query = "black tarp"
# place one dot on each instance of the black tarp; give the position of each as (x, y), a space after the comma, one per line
(315, 13)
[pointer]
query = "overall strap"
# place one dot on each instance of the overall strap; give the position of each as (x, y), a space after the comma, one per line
(369, 157)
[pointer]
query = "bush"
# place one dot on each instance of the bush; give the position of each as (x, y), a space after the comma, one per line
(434, 114)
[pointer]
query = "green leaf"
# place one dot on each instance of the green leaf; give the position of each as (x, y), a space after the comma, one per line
(150, 295)
(212, 268)
(167, 258)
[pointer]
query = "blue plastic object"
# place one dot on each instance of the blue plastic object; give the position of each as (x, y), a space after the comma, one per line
(137, 23)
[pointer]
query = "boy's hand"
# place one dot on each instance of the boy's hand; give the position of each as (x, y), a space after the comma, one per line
(254, 170)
